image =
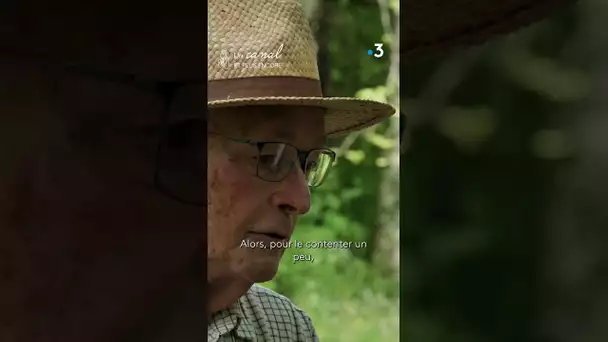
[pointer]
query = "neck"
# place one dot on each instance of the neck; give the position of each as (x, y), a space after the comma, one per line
(224, 292)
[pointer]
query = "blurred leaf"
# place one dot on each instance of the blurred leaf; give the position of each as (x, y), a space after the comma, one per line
(379, 140)
(382, 162)
(375, 94)
(546, 76)
(387, 39)
(336, 74)
(355, 156)
(394, 6)
(551, 144)
(468, 127)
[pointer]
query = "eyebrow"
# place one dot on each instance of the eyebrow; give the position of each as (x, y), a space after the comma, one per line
(321, 142)
(285, 134)
(288, 135)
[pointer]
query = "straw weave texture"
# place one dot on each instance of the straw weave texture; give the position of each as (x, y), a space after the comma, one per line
(244, 33)
(343, 114)
(272, 32)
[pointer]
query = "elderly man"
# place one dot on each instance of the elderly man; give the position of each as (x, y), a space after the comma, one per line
(267, 123)
(89, 249)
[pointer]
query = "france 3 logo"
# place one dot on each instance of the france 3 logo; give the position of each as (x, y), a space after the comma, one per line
(378, 51)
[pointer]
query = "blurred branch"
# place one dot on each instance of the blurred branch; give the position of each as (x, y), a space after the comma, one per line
(386, 238)
(347, 143)
(392, 81)
(549, 77)
(436, 94)
(443, 82)
(323, 55)
(385, 16)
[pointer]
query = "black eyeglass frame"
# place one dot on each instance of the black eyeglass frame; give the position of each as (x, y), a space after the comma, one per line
(302, 156)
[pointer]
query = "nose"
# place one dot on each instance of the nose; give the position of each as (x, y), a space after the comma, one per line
(293, 195)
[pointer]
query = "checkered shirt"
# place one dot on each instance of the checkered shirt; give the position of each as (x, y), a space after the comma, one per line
(261, 315)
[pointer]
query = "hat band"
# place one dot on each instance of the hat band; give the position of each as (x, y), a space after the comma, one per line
(270, 86)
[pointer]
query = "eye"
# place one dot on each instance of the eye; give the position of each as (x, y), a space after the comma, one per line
(273, 155)
(269, 159)
(312, 165)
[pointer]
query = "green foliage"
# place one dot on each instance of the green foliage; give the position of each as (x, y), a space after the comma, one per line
(478, 185)
(341, 288)
(346, 294)
(486, 141)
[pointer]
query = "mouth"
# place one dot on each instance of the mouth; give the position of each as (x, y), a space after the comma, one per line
(276, 236)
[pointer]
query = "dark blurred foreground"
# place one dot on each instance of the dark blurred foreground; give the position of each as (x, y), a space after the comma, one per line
(504, 193)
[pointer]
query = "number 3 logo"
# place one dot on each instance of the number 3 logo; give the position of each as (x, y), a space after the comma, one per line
(379, 52)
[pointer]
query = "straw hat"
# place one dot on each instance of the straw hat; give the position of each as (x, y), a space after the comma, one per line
(263, 52)
(161, 41)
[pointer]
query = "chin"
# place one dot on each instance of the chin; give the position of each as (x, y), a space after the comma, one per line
(265, 275)
(263, 271)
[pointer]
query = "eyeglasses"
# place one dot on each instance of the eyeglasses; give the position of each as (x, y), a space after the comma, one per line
(276, 160)
(181, 161)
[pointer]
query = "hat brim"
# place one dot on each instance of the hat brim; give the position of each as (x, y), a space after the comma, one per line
(344, 114)
(466, 22)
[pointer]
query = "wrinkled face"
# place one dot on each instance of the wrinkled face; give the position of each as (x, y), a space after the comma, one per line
(252, 203)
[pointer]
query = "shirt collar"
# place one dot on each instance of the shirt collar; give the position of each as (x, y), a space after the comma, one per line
(244, 328)
(234, 319)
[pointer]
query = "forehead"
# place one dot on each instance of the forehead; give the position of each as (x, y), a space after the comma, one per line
(285, 122)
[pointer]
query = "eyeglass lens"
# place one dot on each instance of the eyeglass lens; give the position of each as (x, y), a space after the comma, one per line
(182, 161)
(276, 161)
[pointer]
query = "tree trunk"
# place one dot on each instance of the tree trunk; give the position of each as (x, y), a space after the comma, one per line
(386, 253)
